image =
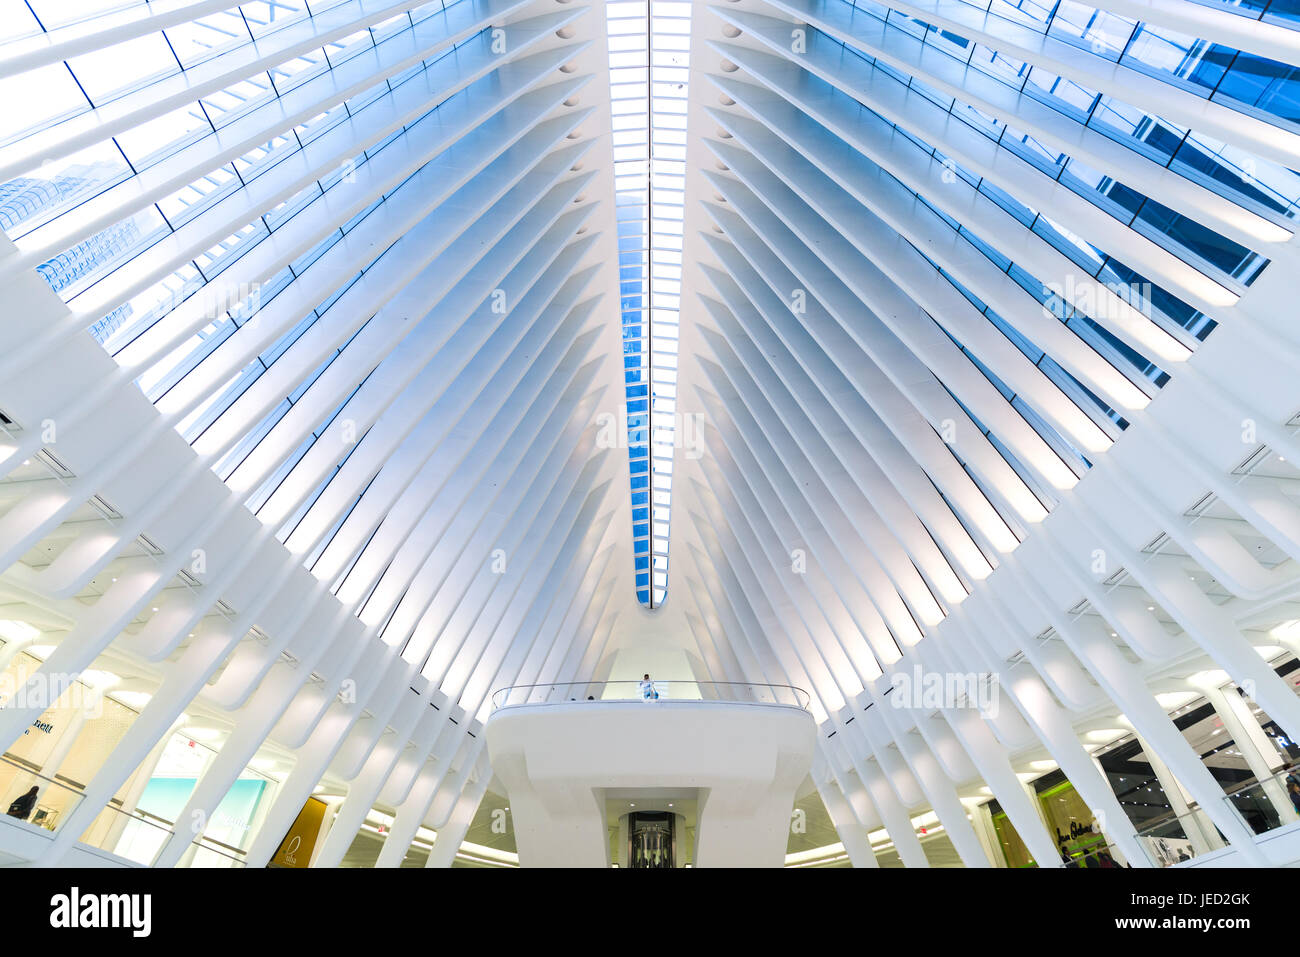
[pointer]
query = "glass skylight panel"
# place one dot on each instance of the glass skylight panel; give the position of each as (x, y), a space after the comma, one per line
(264, 16)
(108, 73)
(649, 58)
(58, 13)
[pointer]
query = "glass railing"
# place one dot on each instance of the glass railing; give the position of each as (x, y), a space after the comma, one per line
(728, 691)
(1182, 837)
(1100, 854)
(28, 796)
(138, 836)
(1269, 804)
(206, 852)
(134, 835)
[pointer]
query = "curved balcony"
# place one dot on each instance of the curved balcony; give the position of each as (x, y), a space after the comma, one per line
(730, 692)
(574, 756)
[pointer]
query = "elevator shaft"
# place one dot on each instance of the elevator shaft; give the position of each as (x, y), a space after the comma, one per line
(652, 840)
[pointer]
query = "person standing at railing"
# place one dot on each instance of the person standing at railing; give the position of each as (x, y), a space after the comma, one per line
(648, 692)
(1293, 790)
(23, 805)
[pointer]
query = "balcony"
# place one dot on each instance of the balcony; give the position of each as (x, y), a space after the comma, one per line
(569, 752)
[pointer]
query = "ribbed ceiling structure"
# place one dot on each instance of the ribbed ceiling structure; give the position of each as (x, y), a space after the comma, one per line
(316, 314)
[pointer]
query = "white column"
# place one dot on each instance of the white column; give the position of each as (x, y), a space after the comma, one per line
(1254, 745)
(452, 834)
(1115, 851)
(898, 824)
(1180, 803)
(851, 836)
(61, 747)
(136, 788)
(982, 821)
(332, 804)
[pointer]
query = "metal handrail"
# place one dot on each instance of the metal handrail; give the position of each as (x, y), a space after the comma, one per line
(1193, 806)
(730, 691)
(25, 767)
(28, 768)
(27, 775)
(206, 844)
(1281, 774)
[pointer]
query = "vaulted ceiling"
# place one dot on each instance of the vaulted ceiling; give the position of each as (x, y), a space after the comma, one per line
(362, 358)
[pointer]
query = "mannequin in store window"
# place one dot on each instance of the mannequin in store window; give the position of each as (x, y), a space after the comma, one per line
(22, 806)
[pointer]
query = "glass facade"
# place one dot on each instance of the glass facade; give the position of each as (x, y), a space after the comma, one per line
(1255, 183)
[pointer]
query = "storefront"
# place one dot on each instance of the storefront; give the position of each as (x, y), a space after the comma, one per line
(1013, 848)
(69, 743)
(1070, 821)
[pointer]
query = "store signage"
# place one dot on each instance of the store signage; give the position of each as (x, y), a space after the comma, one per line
(45, 726)
(1077, 831)
(296, 848)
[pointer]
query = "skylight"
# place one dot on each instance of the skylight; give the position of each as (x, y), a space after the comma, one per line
(649, 53)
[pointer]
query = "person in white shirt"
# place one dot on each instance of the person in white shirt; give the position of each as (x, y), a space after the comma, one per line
(648, 692)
